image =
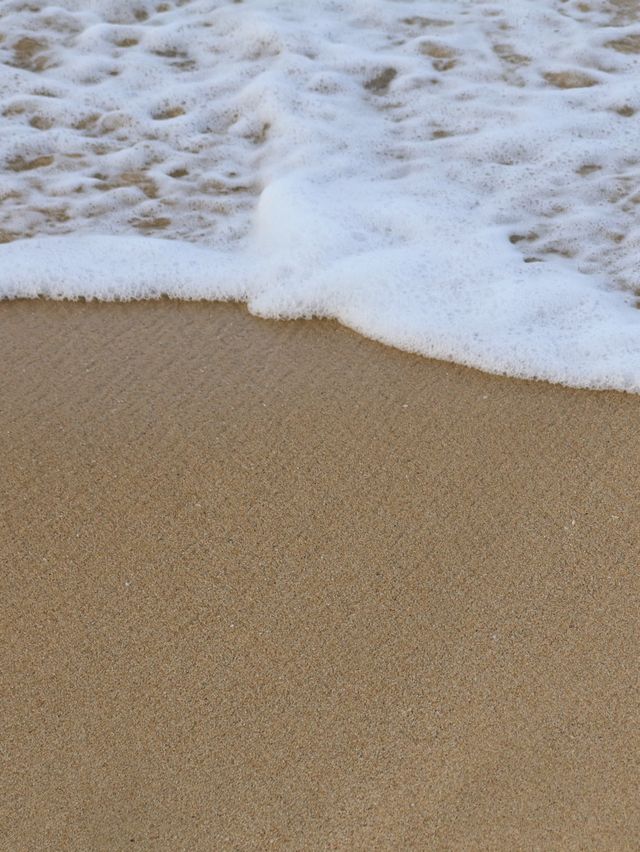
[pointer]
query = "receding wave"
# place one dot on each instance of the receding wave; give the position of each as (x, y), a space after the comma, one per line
(457, 178)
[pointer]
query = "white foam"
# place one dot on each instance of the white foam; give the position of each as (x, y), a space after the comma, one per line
(456, 178)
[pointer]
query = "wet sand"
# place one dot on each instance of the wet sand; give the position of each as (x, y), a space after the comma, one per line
(273, 585)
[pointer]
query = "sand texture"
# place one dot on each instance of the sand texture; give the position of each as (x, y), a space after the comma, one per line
(273, 585)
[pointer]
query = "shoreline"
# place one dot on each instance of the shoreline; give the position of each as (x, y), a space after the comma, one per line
(274, 582)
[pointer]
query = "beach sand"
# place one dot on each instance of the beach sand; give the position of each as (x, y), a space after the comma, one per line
(273, 585)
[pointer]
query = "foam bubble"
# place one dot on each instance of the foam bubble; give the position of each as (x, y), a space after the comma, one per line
(459, 180)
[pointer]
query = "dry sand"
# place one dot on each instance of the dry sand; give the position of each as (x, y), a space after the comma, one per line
(272, 585)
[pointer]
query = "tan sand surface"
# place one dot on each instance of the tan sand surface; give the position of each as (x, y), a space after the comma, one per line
(272, 585)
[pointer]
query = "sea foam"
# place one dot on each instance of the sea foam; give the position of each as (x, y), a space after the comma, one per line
(457, 178)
